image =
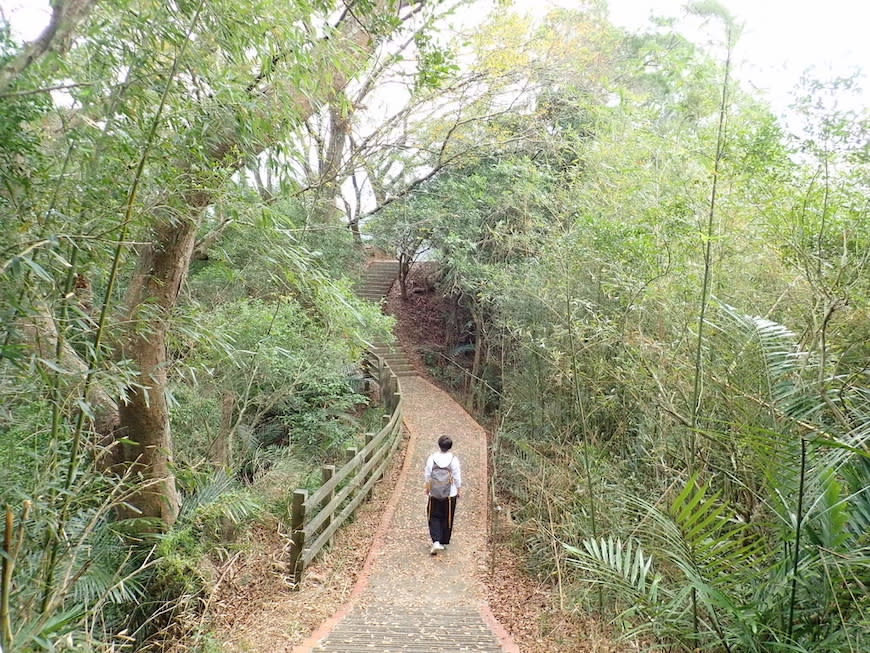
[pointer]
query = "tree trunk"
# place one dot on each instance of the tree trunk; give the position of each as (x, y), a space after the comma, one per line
(353, 225)
(404, 268)
(221, 450)
(144, 415)
(163, 265)
(473, 383)
(330, 168)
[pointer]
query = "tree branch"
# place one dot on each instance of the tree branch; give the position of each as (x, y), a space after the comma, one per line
(56, 37)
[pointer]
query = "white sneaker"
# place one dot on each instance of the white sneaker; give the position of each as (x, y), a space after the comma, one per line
(436, 547)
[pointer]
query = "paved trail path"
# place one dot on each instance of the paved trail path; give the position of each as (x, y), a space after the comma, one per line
(406, 599)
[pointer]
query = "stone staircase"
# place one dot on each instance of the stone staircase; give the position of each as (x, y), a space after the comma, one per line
(376, 282)
(395, 358)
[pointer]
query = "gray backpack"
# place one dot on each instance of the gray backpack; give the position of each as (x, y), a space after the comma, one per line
(440, 480)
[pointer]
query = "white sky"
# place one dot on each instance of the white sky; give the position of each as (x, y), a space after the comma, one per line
(780, 40)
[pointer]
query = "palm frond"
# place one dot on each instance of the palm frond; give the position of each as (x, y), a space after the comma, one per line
(215, 493)
(705, 553)
(620, 566)
(777, 345)
(827, 517)
(857, 476)
(703, 540)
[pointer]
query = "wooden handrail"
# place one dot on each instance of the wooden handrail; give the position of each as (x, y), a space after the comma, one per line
(314, 521)
(362, 493)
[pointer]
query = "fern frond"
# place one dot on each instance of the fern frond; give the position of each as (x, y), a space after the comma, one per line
(857, 476)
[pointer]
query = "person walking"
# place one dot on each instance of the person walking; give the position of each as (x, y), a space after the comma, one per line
(443, 484)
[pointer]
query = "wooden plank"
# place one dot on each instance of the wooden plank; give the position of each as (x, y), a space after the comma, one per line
(327, 511)
(317, 520)
(327, 488)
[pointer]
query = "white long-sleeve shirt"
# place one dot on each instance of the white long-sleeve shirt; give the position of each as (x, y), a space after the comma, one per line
(445, 459)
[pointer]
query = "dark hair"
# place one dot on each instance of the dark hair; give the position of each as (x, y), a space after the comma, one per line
(444, 443)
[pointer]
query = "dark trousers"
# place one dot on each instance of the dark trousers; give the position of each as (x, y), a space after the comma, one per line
(440, 513)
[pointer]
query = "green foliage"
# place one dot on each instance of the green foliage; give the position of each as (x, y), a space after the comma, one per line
(436, 64)
(20, 157)
(287, 369)
(622, 568)
(23, 444)
(97, 569)
(214, 507)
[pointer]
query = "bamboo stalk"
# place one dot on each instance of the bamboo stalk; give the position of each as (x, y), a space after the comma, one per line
(6, 583)
(797, 537)
(721, 137)
(556, 557)
(579, 406)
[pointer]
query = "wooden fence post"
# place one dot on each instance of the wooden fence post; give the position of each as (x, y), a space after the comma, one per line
(326, 473)
(394, 393)
(349, 454)
(369, 437)
(297, 524)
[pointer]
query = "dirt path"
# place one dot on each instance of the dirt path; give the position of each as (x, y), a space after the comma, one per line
(406, 599)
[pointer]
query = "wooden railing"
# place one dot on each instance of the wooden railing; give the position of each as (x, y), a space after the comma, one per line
(316, 517)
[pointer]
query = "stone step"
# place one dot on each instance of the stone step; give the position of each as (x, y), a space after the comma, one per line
(378, 281)
(395, 359)
(375, 284)
(397, 363)
(398, 628)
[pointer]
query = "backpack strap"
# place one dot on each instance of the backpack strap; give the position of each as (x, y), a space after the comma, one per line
(447, 466)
